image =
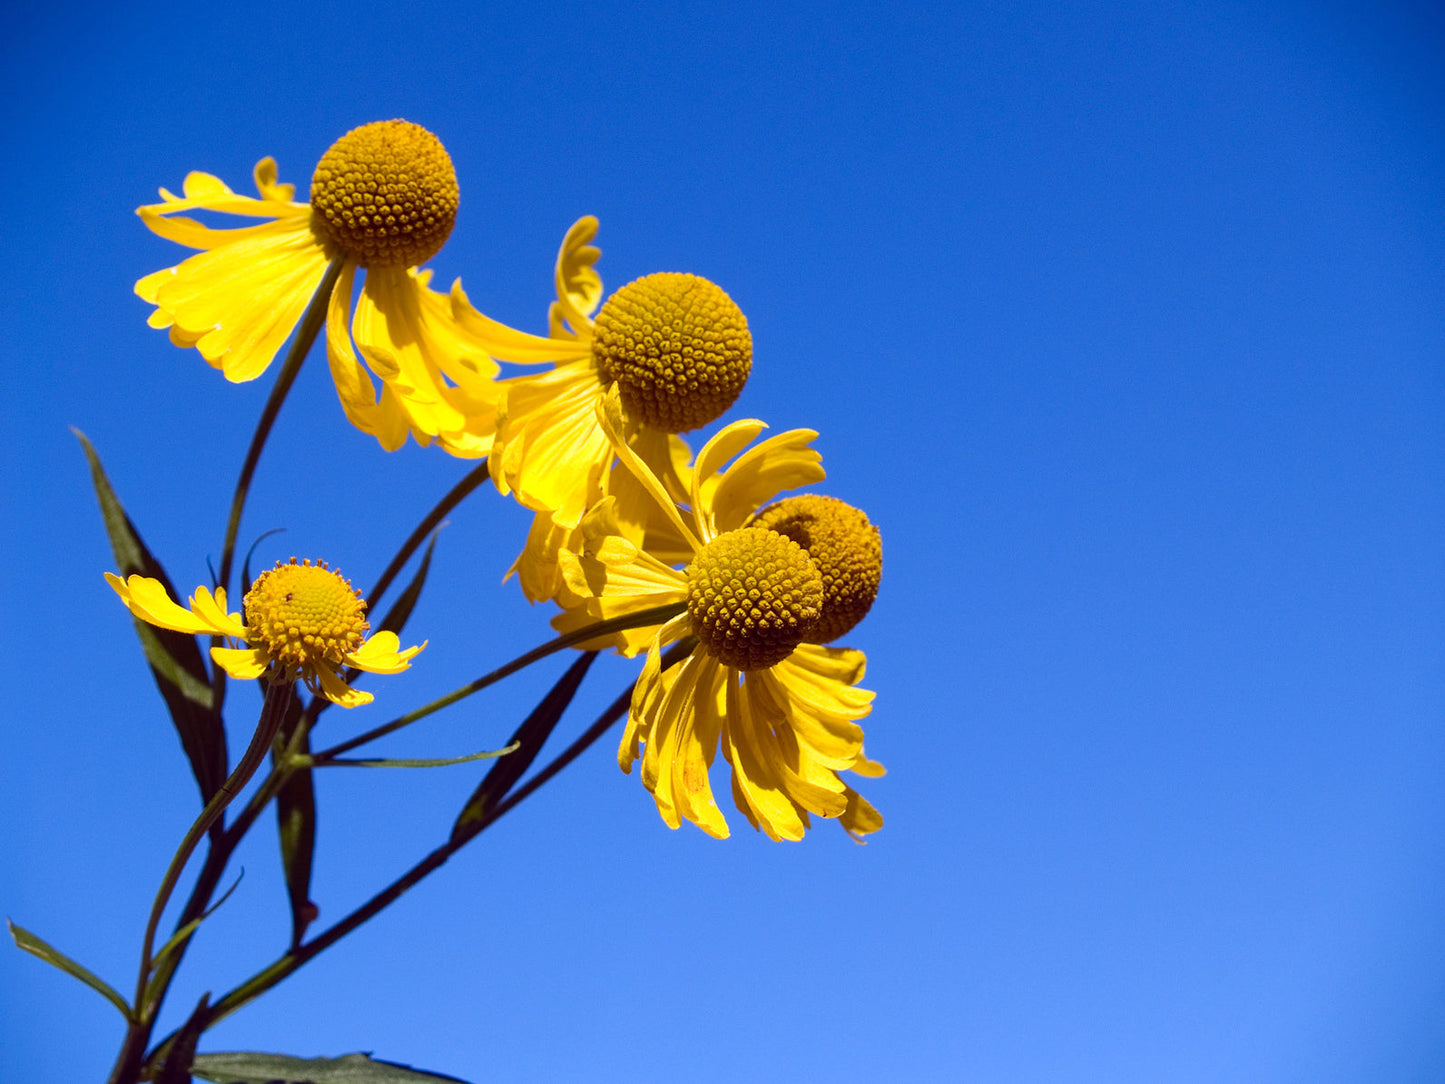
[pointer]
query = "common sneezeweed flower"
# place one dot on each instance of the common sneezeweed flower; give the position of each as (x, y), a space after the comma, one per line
(384, 199)
(303, 622)
(783, 710)
(676, 348)
(674, 365)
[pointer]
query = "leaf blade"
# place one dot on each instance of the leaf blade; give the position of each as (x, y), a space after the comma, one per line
(175, 659)
(257, 1068)
(529, 737)
(37, 946)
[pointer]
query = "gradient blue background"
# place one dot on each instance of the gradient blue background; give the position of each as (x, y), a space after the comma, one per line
(1124, 321)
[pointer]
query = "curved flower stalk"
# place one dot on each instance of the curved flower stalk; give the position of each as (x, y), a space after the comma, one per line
(383, 199)
(303, 622)
(783, 710)
(676, 348)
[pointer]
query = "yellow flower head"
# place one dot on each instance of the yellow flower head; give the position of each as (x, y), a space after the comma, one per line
(846, 548)
(675, 346)
(303, 622)
(783, 711)
(383, 199)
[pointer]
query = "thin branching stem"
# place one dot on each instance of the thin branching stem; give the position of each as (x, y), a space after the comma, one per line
(653, 616)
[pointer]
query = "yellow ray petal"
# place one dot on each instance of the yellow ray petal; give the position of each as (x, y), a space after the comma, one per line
(860, 818)
(499, 341)
(340, 693)
(579, 286)
(147, 599)
(238, 304)
(552, 451)
(757, 778)
(242, 663)
(380, 654)
(762, 472)
(381, 418)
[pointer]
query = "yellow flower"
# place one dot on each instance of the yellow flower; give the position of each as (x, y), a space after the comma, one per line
(783, 710)
(303, 622)
(676, 347)
(383, 198)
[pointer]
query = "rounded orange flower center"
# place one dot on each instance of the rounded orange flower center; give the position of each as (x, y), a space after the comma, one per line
(846, 548)
(305, 614)
(385, 195)
(753, 596)
(678, 348)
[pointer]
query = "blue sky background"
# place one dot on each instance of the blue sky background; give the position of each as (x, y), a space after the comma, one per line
(1124, 321)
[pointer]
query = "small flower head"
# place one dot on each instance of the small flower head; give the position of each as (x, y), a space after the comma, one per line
(385, 195)
(303, 622)
(753, 595)
(305, 615)
(678, 348)
(845, 547)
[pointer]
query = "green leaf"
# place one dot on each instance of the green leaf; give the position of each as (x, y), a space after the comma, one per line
(396, 617)
(296, 822)
(529, 737)
(175, 659)
(246, 1068)
(445, 762)
(181, 1051)
(32, 944)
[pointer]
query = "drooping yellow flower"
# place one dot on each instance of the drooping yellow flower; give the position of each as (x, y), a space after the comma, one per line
(784, 711)
(383, 199)
(677, 349)
(303, 622)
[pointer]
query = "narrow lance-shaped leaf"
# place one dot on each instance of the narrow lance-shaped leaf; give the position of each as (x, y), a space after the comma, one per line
(175, 658)
(529, 737)
(296, 821)
(182, 1050)
(30, 943)
(246, 1068)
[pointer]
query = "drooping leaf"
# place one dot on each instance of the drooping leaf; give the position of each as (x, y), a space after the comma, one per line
(175, 658)
(296, 820)
(30, 943)
(529, 738)
(247, 1068)
(181, 1051)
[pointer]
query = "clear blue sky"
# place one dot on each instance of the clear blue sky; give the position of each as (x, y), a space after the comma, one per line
(1124, 321)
